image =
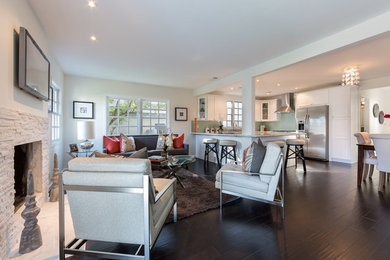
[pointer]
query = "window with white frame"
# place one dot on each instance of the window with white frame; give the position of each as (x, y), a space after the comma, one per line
(237, 116)
(132, 116)
(233, 114)
(55, 114)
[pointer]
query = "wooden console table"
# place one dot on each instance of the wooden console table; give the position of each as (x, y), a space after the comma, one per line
(361, 149)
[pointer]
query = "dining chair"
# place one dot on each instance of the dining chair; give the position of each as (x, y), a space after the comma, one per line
(370, 159)
(382, 148)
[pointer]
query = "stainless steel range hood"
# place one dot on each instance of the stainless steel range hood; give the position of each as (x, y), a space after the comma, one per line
(287, 104)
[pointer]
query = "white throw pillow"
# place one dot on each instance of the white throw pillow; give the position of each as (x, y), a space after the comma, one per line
(271, 159)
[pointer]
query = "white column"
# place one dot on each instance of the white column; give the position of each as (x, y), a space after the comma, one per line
(248, 106)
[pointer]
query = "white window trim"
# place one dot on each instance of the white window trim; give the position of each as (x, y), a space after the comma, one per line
(59, 114)
(139, 117)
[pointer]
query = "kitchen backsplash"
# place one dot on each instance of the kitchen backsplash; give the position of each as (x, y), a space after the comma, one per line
(286, 122)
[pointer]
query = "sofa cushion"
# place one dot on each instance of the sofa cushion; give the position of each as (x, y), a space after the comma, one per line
(141, 153)
(271, 159)
(178, 141)
(234, 176)
(112, 144)
(149, 141)
(127, 143)
(254, 157)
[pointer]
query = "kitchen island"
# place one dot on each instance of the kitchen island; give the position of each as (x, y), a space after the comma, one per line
(243, 141)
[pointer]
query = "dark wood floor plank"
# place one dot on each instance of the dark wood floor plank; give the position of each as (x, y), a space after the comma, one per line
(327, 217)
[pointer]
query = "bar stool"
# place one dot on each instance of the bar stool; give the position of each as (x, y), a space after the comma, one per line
(295, 152)
(211, 146)
(228, 150)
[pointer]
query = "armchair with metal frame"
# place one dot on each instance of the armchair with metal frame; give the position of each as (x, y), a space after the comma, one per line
(262, 186)
(114, 200)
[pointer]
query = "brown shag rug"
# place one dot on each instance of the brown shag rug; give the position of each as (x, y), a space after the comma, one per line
(199, 194)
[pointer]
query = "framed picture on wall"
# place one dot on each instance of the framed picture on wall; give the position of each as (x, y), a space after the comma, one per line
(83, 110)
(181, 113)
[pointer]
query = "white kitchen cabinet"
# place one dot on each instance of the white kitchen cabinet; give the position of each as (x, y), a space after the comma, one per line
(209, 107)
(219, 108)
(265, 110)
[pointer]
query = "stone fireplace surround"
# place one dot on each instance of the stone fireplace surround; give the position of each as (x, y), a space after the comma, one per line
(17, 128)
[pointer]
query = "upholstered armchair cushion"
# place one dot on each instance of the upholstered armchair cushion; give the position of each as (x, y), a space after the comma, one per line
(117, 216)
(271, 159)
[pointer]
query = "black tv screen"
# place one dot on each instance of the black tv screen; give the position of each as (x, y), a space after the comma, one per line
(34, 67)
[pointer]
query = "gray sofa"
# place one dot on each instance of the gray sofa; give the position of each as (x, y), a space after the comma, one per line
(150, 142)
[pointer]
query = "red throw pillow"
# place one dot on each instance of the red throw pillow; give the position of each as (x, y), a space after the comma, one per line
(178, 142)
(112, 144)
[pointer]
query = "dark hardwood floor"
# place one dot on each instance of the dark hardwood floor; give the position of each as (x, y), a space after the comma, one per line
(327, 217)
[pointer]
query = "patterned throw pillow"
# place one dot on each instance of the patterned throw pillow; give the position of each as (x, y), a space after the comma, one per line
(127, 143)
(254, 157)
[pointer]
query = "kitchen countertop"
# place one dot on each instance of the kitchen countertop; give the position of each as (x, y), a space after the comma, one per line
(257, 134)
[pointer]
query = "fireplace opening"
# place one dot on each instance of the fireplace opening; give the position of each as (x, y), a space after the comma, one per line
(21, 165)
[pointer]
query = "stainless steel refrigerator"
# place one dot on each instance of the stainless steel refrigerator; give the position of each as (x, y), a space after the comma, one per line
(313, 126)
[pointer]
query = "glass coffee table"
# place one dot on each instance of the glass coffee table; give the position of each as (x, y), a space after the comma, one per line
(173, 164)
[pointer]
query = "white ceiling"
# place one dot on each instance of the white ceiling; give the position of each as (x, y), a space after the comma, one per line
(187, 43)
(372, 56)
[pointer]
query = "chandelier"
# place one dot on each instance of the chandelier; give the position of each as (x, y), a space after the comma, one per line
(351, 76)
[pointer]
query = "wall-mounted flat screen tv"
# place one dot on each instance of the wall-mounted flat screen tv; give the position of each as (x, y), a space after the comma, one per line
(34, 67)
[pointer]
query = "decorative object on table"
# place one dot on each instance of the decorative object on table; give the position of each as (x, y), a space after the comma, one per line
(375, 110)
(181, 113)
(127, 143)
(381, 117)
(220, 128)
(160, 142)
(85, 131)
(83, 110)
(207, 130)
(54, 179)
(212, 130)
(73, 148)
(31, 237)
(167, 146)
(195, 125)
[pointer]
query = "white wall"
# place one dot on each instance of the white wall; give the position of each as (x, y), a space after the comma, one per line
(380, 96)
(14, 14)
(96, 90)
(343, 105)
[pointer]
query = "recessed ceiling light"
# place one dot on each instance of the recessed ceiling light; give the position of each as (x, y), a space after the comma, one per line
(92, 3)
(296, 88)
(257, 80)
(269, 92)
(93, 38)
(231, 88)
(278, 84)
